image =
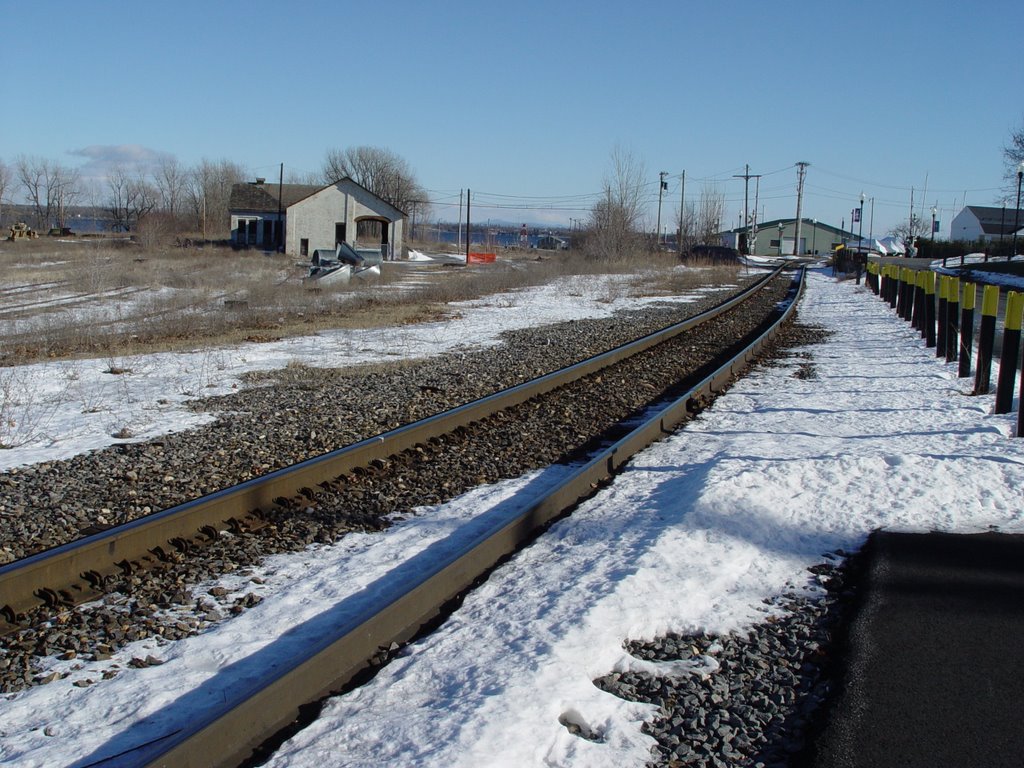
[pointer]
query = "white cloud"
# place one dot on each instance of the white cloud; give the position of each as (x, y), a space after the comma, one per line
(102, 158)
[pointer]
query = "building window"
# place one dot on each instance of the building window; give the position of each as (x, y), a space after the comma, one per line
(304, 247)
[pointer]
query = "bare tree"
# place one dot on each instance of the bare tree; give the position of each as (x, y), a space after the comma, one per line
(5, 178)
(32, 178)
(312, 178)
(1013, 153)
(208, 191)
(67, 192)
(171, 182)
(615, 219)
(381, 171)
(131, 198)
(710, 214)
(910, 230)
(51, 188)
(686, 227)
(702, 222)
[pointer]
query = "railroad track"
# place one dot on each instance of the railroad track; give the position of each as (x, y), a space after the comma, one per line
(24, 289)
(69, 301)
(82, 570)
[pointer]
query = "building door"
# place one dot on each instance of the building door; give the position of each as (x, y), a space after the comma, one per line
(789, 242)
(339, 232)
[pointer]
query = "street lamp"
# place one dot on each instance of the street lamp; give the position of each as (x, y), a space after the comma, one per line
(780, 239)
(1016, 213)
(934, 211)
(814, 236)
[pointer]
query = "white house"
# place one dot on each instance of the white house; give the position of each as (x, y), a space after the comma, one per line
(985, 223)
(300, 218)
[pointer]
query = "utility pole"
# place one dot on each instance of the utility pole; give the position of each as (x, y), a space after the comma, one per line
(910, 228)
(752, 237)
(747, 176)
(661, 188)
(746, 188)
(459, 249)
(1016, 212)
(280, 216)
(801, 171)
(682, 204)
(467, 224)
(860, 222)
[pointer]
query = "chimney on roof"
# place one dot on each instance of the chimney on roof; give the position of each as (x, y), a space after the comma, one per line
(260, 180)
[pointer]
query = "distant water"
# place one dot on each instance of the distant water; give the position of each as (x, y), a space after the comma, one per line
(483, 238)
(87, 225)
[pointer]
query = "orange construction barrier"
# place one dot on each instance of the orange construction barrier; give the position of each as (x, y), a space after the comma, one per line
(480, 258)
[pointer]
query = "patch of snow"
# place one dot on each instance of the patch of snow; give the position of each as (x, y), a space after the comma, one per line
(698, 530)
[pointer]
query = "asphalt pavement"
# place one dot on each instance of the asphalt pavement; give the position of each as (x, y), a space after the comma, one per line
(934, 670)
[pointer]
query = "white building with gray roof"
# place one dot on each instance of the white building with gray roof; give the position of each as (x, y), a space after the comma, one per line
(301, 218)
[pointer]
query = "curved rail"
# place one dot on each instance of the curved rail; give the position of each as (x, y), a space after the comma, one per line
(75, 572)
(230, 734)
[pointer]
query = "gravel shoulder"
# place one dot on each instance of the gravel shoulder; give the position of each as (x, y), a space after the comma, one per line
(757, 703)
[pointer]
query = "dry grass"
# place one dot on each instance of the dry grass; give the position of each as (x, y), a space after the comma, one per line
(127, 300)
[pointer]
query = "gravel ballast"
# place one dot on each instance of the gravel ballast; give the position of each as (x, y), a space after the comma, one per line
(761, 701)
(284, 420)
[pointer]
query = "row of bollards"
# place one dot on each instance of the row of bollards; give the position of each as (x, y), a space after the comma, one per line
(942, 309)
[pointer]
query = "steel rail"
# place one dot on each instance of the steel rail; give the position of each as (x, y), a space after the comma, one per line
(68, 574)
(230, 734)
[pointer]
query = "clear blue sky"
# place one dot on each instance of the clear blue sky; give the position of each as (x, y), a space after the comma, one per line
(528, 99)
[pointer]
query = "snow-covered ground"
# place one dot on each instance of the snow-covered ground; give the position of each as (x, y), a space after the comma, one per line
(53, 410)
(1004, 280)
(692, 536)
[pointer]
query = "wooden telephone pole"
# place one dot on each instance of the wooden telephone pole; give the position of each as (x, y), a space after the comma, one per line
(801, 171)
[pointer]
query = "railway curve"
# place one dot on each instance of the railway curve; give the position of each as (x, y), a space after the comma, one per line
(389, 477)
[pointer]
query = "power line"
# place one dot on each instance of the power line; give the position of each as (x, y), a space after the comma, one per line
(896, 187)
